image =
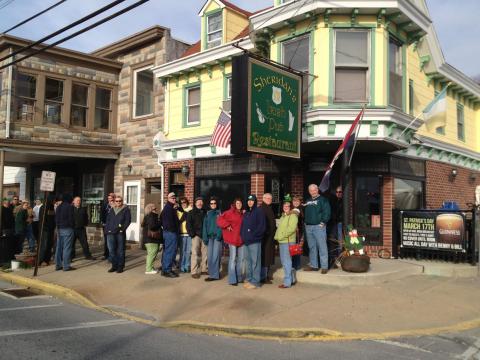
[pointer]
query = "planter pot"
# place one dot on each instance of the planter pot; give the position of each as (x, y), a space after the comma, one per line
(356, 263)
(15, 265)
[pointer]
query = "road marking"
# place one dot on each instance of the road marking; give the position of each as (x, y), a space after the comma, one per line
(472, 350)
(87, 325)
(402, 345)
(30, 307)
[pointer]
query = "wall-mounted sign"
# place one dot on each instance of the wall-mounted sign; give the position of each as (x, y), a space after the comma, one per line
(266, 108)
(433, 230)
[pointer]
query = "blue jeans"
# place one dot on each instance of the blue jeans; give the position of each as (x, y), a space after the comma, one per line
(253, 256)
(235, 264)
(63, 251)
(286, 260)
(186, 249)
(338, 234)
(116, 250)
(30, 238)
(214, 255)
(169, 250)
(317, 244)
(264, 272)
(297, 262)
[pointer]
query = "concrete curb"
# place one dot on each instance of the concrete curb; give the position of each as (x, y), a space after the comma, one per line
(249, 332)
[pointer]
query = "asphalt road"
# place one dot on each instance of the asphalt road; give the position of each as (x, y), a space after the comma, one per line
(48, 328)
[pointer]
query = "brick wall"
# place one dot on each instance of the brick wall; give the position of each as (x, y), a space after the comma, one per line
(189, 185)
(297, 184)
(440, 186)
(257, 186)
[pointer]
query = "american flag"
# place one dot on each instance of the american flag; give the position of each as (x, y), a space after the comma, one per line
(223, 130)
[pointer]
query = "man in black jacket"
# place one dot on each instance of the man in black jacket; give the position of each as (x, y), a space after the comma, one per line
(7, 225)
(80, 218)
(65, 223)
(199, 249)
(107, 206)
(171, 232)
(268, 244)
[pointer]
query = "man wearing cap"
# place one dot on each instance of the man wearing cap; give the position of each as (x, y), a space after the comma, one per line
(171, 232)
(195, 219)
(317, 215)
(252, 232)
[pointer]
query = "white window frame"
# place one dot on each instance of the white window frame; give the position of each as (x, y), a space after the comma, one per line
(369, 62)
(219, 13)
(133, 231)
(187, 105)
(134, 99)
(229, 88)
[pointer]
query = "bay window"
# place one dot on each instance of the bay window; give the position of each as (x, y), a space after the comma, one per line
(396, 73)
(296, 54)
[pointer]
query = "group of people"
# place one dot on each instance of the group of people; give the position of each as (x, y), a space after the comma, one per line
(250, 231)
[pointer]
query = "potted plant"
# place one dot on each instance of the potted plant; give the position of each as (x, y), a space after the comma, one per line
(356, 260)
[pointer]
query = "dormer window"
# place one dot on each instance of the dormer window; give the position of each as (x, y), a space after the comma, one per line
(214, 30)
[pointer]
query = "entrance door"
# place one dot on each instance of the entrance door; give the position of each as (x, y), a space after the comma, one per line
(153, 192)
(368, 208)
(131, 191)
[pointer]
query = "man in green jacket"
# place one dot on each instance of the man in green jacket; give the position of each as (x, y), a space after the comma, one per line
(317, 214)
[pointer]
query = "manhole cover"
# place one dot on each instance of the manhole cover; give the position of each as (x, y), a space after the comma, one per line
(19, 293)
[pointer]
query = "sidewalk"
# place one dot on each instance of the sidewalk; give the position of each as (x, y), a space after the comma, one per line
(413, 304)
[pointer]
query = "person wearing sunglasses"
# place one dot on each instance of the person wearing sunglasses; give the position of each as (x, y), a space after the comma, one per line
(212, 236)
(336, 228)
(118, 220)
(171, 232)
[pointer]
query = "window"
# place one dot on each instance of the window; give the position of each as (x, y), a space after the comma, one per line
(396, 73)
(368, 207)
(79, 108)
(214, 30)
(102, 108)
(93, 195)
(229, 88)
(296, 54)
(26, 87)
(351, 65)
(53, 101)
(143, 92)
(460, 123)
(408, 194)
(131, 200)
(193, 105)
(411, 98)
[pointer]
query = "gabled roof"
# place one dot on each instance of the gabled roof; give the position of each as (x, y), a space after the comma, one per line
(227, 4)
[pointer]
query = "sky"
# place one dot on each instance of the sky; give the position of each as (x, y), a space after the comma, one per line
(455, 21)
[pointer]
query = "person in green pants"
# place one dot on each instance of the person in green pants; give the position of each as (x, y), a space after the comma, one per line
(152, 236)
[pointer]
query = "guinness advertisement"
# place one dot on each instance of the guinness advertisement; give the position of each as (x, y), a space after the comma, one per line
(433, 230)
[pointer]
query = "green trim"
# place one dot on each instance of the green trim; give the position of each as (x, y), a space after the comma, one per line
(205, 24)
(411, 97)
(193, 150)
(374, 128)
(461, 136)
(331, 127)
(225, 86)
(309, 127)
(213, 149)
(345, 25)
(420, 149)
(184, 103)
(390, 129)
(174, 153)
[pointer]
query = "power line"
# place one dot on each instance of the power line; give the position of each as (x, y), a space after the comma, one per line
(85, 18)
(34, 16)
(108, 18)
(6, 3)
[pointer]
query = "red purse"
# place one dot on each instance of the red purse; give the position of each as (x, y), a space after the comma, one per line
(295, 249)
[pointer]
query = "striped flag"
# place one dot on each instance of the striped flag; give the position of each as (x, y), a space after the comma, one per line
(223, 130)
(435, 112)
(347, 142)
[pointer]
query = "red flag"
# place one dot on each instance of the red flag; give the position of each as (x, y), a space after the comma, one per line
(347, 141)
(222, 133)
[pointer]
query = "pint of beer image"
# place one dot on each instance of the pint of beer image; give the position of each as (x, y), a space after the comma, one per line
(450, 229)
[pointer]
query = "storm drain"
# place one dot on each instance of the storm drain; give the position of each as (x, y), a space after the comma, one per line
(19, 293)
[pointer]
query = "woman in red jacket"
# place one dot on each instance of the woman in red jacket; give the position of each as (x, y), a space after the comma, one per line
(230, 222)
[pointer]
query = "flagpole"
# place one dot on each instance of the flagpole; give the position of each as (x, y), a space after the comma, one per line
(356, 136)
(410, 124)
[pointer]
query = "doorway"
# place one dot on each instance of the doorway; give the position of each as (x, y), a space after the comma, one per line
(153, 192)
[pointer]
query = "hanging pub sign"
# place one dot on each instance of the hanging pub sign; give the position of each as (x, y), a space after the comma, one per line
(433, 230)
(266, 108)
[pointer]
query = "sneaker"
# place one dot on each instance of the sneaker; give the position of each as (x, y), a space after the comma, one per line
(153, 272)
(283, 287)
(249, 286)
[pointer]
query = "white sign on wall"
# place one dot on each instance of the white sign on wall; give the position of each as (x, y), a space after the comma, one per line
(47, 181)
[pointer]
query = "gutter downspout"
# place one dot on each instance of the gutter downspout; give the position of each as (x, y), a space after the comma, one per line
(9, 100)
(165, 132)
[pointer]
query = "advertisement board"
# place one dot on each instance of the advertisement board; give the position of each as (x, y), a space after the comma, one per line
(433, 230)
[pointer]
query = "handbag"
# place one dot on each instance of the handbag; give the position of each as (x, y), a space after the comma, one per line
(294, 249)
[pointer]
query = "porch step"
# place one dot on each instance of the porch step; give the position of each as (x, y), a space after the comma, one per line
(381, 271)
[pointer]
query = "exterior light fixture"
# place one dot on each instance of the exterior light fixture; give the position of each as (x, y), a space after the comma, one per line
(185, 170)
(473, 176)
(454, 173)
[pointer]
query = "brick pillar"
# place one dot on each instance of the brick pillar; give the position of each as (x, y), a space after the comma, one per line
(190, 183)
(257, 186)
(297, 184)
(387, 211)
